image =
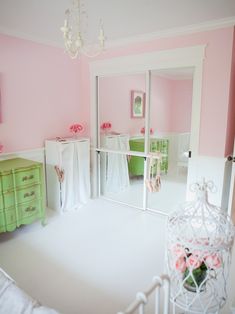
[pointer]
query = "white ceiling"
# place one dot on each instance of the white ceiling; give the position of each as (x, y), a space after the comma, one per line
(41, 19)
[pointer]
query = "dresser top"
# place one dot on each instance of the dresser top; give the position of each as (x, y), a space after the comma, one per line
(141, 140)
(16, 163)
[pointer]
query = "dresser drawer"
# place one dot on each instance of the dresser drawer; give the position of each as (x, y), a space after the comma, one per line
(2, 219)
(7, 181)
(10, 215)
(8, 199)
(22, 196)
(29, 194)
(27, 176)
(1, 202)
(29, 209)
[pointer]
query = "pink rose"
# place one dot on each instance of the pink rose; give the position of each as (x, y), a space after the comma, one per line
(193, 261)
(213, 261)
(106, 126)
(180, 264)
(142, 131)
(76, 128)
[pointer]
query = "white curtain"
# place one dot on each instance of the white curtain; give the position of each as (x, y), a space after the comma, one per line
(75, 162)
(114, 166)
(82, 154)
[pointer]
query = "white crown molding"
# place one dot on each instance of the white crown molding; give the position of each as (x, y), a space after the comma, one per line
(173, 32)
(21, 35)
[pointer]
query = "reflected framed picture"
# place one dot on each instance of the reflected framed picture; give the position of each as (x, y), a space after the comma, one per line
(137, 104)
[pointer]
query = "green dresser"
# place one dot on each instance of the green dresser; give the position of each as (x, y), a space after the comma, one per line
(136, 164)
(22, 197)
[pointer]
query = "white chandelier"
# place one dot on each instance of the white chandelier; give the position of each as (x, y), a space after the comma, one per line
(74, 34)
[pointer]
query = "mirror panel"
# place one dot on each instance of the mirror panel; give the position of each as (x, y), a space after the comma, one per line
(170, 126)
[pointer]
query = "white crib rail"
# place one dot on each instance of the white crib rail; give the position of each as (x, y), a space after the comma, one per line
(159, 283)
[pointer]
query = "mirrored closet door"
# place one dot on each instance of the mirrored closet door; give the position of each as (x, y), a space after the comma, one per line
(144, 137)
(170, 126)
(159, 115)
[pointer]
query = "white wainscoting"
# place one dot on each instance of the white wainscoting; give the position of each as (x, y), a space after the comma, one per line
(213, 169)
(37, 154)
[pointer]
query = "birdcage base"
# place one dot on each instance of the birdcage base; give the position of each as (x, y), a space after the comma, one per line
(194, 289)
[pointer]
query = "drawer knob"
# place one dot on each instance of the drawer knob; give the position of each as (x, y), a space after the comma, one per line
(30, 209)
(25, 178)
(29, 194)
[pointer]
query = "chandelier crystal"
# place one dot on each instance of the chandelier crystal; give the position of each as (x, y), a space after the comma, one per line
(74, 34)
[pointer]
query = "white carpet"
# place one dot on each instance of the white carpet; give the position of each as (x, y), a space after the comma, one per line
(92, 261)
(171, 194)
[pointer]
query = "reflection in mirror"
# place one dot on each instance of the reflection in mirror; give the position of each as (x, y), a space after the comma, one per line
(170, 121)
(121, 108)
(117, 182)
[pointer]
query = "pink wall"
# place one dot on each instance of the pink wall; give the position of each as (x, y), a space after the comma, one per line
(216, 81)
(181, 106)
(115, 95)
(171, 105)
(160, 112)
(40, 93)
(43, 91)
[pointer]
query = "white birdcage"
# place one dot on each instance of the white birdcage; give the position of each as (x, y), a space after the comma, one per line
(200, 239)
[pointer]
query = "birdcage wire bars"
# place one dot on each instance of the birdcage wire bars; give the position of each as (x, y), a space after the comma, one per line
(200, 239)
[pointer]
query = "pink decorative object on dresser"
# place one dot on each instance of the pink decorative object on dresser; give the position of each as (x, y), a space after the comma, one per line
(106, 126)
(76, 128)
(142, 131)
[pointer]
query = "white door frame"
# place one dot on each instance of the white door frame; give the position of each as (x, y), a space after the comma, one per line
(165, 59)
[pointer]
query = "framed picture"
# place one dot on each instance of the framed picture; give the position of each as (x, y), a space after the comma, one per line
(137, 104)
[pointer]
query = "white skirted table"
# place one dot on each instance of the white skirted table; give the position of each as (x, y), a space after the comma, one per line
(67, 173)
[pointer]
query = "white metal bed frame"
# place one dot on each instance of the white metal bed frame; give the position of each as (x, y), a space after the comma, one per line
(158, 284)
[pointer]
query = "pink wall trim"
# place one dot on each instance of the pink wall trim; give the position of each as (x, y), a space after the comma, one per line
(216, 81)
(40, 93)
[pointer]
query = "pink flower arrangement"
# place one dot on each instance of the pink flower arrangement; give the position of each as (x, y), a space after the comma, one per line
(142, 131)
(106, 126)
(195, 259)
(1, 148)
(194, 264)
(76, 128)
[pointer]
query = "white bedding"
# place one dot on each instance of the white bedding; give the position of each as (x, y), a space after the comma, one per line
(14, 300)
